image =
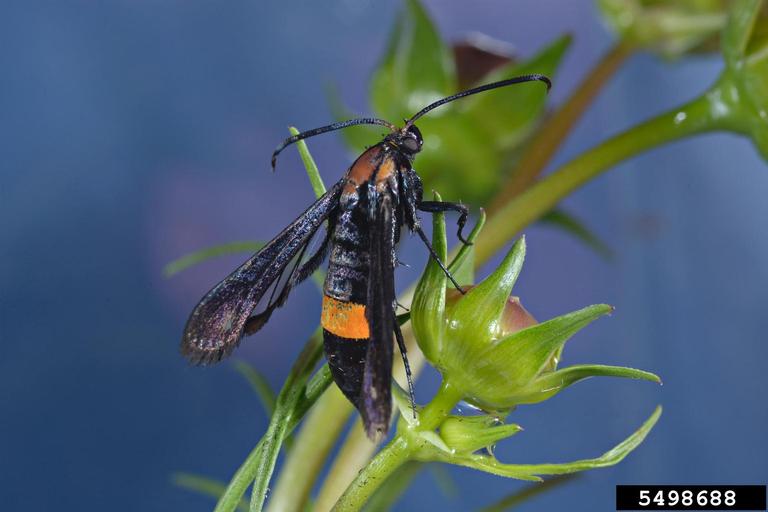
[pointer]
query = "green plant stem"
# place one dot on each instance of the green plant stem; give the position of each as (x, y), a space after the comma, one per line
(390, 458)
(398, 451)
(306, 459)
(356, 450)
(286, 404)
(392, 490)
(695, 117)
(292, 396)
(548, 139)
(439, 407)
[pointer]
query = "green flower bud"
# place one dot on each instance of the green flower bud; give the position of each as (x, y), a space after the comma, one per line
(468, 434)
(493, 354)
(487, 346)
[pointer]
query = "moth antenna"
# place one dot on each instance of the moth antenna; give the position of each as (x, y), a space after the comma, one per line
(323, 129)
(487, 87)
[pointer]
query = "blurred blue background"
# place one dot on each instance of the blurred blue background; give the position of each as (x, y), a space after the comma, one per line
(136, 131)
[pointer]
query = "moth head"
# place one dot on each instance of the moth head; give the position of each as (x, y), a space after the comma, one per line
(409, 140)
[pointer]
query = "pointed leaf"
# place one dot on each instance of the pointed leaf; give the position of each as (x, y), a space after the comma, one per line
(549, 384)
(532, 348)
(480, 309)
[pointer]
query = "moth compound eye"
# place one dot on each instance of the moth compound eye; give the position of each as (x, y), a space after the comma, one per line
(411, 145)
(416, 133)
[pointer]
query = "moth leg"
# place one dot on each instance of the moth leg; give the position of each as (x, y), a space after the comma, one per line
(439, 207)
(408, 375)
(437, 259)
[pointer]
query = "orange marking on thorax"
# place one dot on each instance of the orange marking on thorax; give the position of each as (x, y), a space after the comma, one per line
(344, 319)
(364, 167)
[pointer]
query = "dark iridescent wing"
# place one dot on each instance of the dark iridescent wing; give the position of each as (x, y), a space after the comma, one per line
(376, 401)
(216, 324)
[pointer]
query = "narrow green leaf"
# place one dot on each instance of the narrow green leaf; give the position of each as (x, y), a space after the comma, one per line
(532, 348)
(573, 226)
(202, 255)
(444, 480)
(204, 485)
(550, 384)
(309, 164)
(428, 305)
(259, 384)
(417, 68)
(527, 493)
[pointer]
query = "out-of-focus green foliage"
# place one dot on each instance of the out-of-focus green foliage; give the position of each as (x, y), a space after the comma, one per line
(743, 88)
(668, 27)
(467, 143)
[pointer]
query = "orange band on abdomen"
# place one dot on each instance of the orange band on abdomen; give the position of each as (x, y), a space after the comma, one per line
(344, 319)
